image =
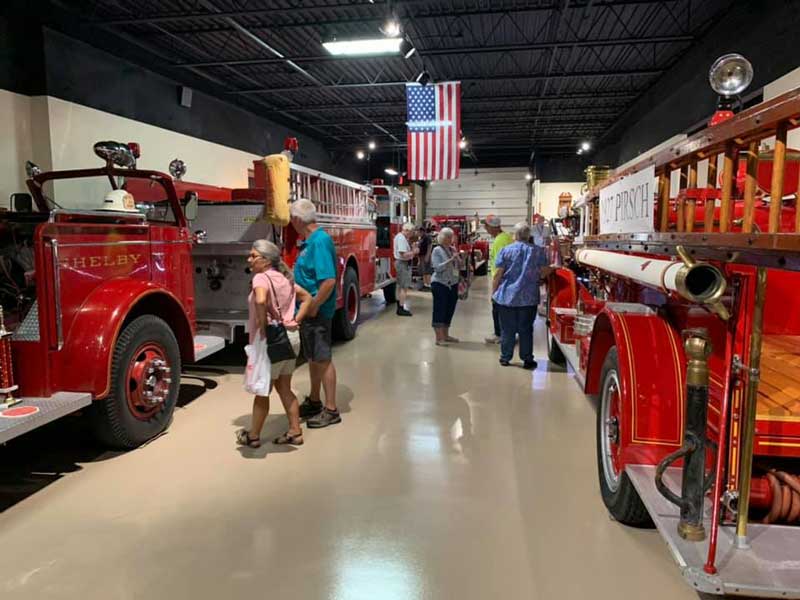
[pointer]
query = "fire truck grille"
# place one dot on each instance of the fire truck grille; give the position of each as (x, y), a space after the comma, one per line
(28, 331)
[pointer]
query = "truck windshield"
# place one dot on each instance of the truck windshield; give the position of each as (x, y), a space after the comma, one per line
(88, 193)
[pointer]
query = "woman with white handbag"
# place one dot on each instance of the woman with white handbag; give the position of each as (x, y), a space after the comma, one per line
(274, 341)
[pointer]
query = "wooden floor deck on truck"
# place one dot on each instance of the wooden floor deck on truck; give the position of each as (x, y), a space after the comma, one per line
(778, 409)
(779, 389)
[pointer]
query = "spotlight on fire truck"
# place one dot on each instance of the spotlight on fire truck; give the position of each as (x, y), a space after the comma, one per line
(177, 168)
(730, 75)
(115, 153)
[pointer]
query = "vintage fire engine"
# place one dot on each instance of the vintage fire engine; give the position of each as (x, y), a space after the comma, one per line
(99, 305)
(360, 219)
(688, 333)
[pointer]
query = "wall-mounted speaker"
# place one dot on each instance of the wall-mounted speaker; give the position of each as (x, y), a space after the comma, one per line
(185, 96)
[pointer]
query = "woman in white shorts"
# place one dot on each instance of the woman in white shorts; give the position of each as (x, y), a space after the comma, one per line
(274, 297)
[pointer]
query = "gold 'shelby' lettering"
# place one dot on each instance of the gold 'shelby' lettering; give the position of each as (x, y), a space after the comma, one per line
(108, 260)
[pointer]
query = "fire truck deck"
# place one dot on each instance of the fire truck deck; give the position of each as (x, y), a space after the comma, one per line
(765, 569)
(35, 412)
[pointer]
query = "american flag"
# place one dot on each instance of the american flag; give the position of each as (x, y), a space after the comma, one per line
(434, 130)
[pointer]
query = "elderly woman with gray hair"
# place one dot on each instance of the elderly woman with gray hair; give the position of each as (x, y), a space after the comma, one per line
(274, 299)
(446, 262)
(518, 269)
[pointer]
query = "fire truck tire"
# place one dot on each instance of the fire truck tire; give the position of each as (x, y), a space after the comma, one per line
(345, 321)
(554, 353)
(619, 495)
(390, 293)
(146, 355)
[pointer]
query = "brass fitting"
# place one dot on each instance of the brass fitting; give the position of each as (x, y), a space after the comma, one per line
(690, 532)
(698, 349)
(701, 282)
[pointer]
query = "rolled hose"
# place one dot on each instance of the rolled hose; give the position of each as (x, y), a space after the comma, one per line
(785, 498)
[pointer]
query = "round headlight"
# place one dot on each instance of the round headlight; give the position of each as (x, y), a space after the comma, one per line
(730, 74)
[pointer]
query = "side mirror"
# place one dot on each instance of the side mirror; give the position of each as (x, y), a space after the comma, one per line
(21, 202)
(190, 206)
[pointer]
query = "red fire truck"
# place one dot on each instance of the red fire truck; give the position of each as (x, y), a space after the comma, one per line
(228, 220)
(98, 305)
(688, 333)
(100, 308)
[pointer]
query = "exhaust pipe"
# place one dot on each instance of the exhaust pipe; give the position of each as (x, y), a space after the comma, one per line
(697, 282)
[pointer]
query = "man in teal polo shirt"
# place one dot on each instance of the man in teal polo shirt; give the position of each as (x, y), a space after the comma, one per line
(315, 271)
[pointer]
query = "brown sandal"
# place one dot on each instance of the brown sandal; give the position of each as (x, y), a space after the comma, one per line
(295, 439)
(243, 438)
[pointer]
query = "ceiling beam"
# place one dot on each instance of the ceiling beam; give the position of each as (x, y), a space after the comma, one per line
(449, 51)
(403, 10)
(600, 95)
(263, 45)
(491, 78)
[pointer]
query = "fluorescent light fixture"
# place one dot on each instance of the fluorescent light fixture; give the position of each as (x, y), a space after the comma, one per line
(366, 47)
(371, 145)
(586, 146)
(390, 171)
(360, 155)
(407, 49)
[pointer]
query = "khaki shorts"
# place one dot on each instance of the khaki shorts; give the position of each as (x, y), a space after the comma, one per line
(403, 270)
(286, 367)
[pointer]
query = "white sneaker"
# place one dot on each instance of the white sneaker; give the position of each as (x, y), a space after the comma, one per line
(492, 340)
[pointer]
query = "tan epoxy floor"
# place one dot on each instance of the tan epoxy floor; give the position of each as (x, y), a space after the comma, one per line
(450, 478)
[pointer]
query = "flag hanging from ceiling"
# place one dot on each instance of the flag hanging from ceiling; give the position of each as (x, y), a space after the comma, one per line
(434, 130)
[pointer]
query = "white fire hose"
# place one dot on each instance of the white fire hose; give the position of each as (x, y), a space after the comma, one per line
(697, 282)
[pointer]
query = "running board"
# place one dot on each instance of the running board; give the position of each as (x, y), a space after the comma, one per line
(767, 569)
(569, 352)
(206, 345)
(35, 412)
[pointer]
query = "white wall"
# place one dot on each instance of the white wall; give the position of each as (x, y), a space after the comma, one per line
(16, 143)
(74, 129)
(780, 86)
(546, 201)
(502, 192)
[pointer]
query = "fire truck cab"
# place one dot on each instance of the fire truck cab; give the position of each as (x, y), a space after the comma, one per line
(98, 305)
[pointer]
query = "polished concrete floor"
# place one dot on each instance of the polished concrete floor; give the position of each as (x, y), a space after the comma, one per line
(449, 478)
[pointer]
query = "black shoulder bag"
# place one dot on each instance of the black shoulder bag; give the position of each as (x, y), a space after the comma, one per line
(279, 347)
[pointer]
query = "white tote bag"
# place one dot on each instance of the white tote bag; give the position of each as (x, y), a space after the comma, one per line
(257, 374)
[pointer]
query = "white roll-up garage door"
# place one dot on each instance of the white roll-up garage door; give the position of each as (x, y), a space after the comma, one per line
(503, 192)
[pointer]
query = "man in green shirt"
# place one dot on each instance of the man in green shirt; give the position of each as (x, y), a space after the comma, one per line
(500, 240)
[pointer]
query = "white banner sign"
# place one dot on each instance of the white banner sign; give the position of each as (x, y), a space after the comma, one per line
(628, 206)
